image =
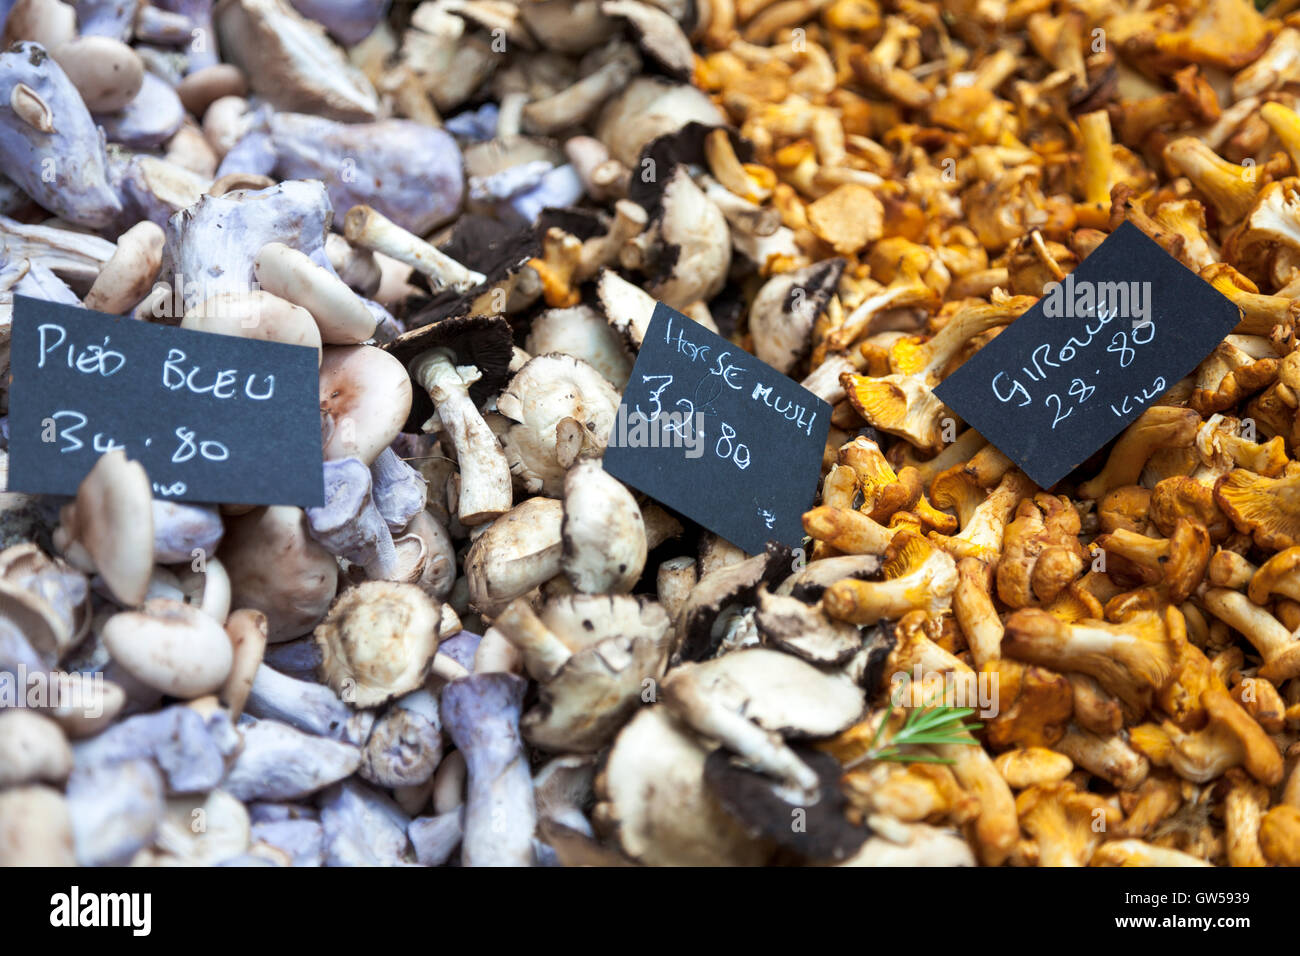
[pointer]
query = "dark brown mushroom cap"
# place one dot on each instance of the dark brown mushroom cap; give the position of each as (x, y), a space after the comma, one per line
(733, 584)
(484, 341)
(755, 801)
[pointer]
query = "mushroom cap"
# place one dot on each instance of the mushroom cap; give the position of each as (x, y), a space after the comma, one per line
(378, 641)
(518, 551)
(732, 584)
(654, 801)
(604, 534)
(32, 748)
(171, 647)
(365, 398)
(783, 312)
(805, 630)
(777, 691)
(757, 802)
(1268, 509)
(484, 341)
(35, 828)
(275, 567)
(810, 582)
(650, 107)
(547, 390)
(585, 620)
(113, 521)
(582, 332)
(45, 598)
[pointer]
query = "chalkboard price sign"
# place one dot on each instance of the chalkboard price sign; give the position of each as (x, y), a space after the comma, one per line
(1096, 350)
(713, 433)
(212, 418)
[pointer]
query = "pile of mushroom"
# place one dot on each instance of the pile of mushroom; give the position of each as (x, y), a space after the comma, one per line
(484, 649)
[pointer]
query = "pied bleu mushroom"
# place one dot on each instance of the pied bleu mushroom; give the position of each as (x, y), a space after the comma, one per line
(481, 713)
(76, 257)
(191, 752)
(653, 802)
(58, 593)
(340, 315)
(298, 658)
(399, 491)
(435, 838)
(447, 359)
(365, 398)
(765, 808)
(349, 22)
(33, 749)
(151, 117)
(277, 568)
(349, 525)
(214, 243)
(783, 313)
(302, 840)
(686, 250)
(604, 536)
(555, 397)
(291, 63)
(804, 630)
(628, 308)
(307, 706)
(116, 809)
(405, 746)
(593, 657)
(45, 123)
(128, 275)
(234, 129)
(370, 229)
(184, 532)
(752, 699)
(378, 642)
(225, 833)
(278, 762)
(408, 172)
(362, 827)
(171, 647)
(582, 332)
(155, 189)
(108, 527)
(517, 552)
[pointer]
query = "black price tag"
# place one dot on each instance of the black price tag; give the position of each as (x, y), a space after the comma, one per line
(1090, 356)
(212, 418)
(712, 432)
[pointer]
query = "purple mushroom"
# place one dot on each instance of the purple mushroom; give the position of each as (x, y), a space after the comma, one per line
(49, 144)
(348, 21)
(348, 524)
(409, 172)
(149, 120)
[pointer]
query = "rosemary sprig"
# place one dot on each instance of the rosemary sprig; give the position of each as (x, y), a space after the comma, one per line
(928, 726)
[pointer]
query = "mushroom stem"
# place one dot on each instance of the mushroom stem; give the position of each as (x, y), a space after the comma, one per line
(485, 490)
(481, 713)
(365, 227)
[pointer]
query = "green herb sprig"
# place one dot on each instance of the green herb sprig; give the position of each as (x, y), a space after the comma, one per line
(928, 726)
